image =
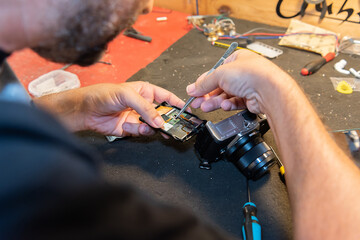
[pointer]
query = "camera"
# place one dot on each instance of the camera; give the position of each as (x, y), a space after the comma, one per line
(237, 139)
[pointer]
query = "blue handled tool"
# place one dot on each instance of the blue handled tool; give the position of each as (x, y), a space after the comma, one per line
(251, 228)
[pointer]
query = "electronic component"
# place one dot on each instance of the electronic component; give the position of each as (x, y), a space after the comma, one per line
(181, 128)
(339, 66)
(264, 49)
(237, 139)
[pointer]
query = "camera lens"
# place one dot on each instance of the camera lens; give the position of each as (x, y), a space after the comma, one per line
(251, 155)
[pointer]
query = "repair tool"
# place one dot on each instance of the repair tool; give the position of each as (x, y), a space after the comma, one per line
(315, 65)
(318, 3)
(251, 228)
(182, 128)
(281, 166)
(133, 33)
(232, 47)
(224, 45)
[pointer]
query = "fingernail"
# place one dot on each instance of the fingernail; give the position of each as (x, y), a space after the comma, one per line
(190, 88)
(159, 121)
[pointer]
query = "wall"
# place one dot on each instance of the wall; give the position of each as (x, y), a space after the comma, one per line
(343, 16)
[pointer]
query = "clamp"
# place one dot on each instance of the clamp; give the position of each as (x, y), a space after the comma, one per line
(133, 33)
(323, 9)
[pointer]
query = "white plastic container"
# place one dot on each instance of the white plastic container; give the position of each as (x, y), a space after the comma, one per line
(53, 82)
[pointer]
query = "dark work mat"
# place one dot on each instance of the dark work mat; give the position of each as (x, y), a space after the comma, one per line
(168, 170)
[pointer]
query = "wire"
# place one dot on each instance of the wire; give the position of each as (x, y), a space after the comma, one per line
(197, 27)
(264, 35)
(197, 7)
(264, 29)
(248, 189)
(279, 35)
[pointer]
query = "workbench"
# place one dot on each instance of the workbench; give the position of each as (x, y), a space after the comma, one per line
(168, 170)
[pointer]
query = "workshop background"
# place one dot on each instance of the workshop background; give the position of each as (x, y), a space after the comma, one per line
(178, 53)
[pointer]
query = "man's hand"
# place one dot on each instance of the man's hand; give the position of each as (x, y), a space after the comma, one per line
(317, 170)
(242, 82)
(111, 109)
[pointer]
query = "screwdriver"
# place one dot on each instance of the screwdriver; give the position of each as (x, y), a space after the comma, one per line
(281, 166)
(231, 48)
(315, 65)
(251, 228)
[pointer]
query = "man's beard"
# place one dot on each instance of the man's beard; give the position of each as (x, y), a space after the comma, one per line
(84, 38)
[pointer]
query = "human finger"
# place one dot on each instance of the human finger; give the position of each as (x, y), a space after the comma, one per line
(199, 100)
(136, 129)
(146, 130)
(162, 95)
(241, 53)
(232, 76)
(135, 101)
(202, 82)
(205, 83)
(165, 136)
(233, 103)
(213, 103)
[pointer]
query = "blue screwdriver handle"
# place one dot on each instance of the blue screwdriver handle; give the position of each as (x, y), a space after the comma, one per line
(251, 228)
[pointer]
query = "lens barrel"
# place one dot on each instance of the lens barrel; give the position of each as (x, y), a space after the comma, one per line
(251, 155)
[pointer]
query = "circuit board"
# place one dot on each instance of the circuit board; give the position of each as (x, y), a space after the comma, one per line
(181, 128)
(321, 41)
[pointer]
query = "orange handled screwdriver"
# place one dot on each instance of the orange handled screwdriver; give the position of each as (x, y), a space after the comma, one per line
(315, 65)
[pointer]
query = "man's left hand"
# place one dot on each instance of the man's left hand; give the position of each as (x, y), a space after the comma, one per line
(111, 109)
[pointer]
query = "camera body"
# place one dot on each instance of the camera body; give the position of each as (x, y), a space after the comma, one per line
(237, 139)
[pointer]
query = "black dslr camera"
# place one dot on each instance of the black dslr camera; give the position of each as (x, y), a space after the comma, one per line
(237, 139)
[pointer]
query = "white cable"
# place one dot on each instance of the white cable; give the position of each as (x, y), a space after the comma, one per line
(264, 29)
(354, 72)
(339, 66)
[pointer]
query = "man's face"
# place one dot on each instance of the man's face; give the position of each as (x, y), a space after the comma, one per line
(82, 35)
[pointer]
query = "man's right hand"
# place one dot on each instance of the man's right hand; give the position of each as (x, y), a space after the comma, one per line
(317, 170)
(244, 81)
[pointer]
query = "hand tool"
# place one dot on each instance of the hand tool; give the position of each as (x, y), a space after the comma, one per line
(224, 45)
(133, 33)
(322, 8)
(251, 228)
(228, 52)
(281, 167)
(315, 65)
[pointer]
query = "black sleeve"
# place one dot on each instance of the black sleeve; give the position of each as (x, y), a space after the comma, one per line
(40, 162)
(118, 212)
(50, 188)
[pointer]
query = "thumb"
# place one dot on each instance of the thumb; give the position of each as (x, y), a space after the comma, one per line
(206, 83)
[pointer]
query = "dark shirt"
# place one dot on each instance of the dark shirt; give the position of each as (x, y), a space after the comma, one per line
(50, 188)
